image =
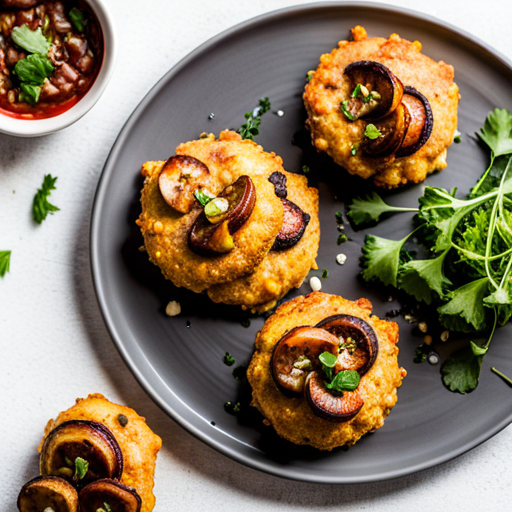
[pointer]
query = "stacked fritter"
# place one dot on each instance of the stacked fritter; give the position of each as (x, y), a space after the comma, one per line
(223, 215)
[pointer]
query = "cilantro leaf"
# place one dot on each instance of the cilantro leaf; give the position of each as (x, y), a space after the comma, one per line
(369, 209)
(251, 128)
(461, 370)
(381, 259)
(81, 468)
(465, 310)
(497, 132)
(423, 279)
(5, 262)
(34, 69)
(372, 132)
(345, 380)
(41, 207)
(78, 19)
(31, 40)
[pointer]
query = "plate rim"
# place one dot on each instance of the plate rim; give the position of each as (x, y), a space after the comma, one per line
(95, 225)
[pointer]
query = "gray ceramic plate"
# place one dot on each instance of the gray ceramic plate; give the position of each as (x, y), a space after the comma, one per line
(179, 360)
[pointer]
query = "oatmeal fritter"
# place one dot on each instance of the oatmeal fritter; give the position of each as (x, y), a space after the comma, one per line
(342, 135)
(293, 417)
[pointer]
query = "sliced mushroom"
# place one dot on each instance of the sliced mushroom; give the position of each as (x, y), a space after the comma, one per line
(212, 235)
(297, 353)
(107, 494)
(179, 179)
(329, 406)
(359, 345)
(392, 130)
(87, 440)
(375, 91)
(421, 123)
(48, 492)
(278, 179)
(295, 222)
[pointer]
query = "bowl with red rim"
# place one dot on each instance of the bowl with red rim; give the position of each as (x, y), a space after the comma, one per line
(75, 85)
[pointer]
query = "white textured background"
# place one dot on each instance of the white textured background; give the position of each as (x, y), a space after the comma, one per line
(54, 346)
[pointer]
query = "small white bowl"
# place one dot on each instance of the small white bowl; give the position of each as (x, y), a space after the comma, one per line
(38, 127)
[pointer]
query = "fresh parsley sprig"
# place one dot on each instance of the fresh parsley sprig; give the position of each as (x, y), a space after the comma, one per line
(369, 209)
(41, 207)
(251, 128)
(5, 262)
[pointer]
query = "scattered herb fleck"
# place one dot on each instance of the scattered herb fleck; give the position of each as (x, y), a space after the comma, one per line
(309, 75)
(354, 148)
(123, 420)
(240, 373)
(251, 128)
(372, 132)
(325, 274)
(346, 111)
(457, 139)
(81, 468)
(228, 359)
(79, 20)
(342, 238)
(203, 196)
(232, 408)
(5, 262)
(41, 207)
(305, 169)
(420, 355)
(246, 322)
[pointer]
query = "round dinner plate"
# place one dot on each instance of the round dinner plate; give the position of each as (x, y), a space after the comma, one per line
(178, 360)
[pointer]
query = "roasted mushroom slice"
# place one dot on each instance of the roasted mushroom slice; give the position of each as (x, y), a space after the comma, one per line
(71, 443)
(212, 231)
(109, 495)
(297, 353)
(421, 123)
(48, 493)
(179, 179)
(375, 91)
(358, 342)
(329, 406)
(295, 222)
(383, 139)
(278, 179)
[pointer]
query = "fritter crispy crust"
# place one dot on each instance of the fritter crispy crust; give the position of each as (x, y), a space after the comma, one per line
(333, 133)
(138, 443)
(292, 418)
(280, 270)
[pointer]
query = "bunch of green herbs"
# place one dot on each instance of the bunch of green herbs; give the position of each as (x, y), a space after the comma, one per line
(467, 274)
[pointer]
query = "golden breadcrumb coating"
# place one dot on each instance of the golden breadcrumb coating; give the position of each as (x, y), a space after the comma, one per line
(292, 418)
(137, 441)
(333, 133)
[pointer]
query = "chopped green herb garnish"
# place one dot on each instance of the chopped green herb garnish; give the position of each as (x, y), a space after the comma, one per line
(325, 274)
(346, 111)
(251, 128)
(246, 322)
(240, 372)
(354, 148)
(228, 360)
(457, 139)
(419, 355)
(342, 238)
(328, 362)
(372, 132)
(346, 380)
(339, 217)
(202, 197)
(349, 344)
(305, 169)
(232, 408)
(41, 207)
(81, 468)
(78, 19)
(32, 41)
(107, 507)
(309, 75)
(34, 69)
(5, 262)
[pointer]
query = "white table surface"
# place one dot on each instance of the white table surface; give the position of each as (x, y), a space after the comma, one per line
(54, 346)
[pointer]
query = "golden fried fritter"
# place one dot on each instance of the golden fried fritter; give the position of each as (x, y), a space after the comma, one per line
(333, 133)
(292, 418)
(280, 270)
(138, 443)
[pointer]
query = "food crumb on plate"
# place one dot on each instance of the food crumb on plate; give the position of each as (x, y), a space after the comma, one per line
(173, 308)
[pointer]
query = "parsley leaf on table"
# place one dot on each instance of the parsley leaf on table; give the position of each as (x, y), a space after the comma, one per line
(31, 40)
(41, 207)
(497, 132)
(369, 209)
(5, 262)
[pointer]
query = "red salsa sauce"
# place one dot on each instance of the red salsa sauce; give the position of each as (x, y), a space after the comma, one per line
(76, 49)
